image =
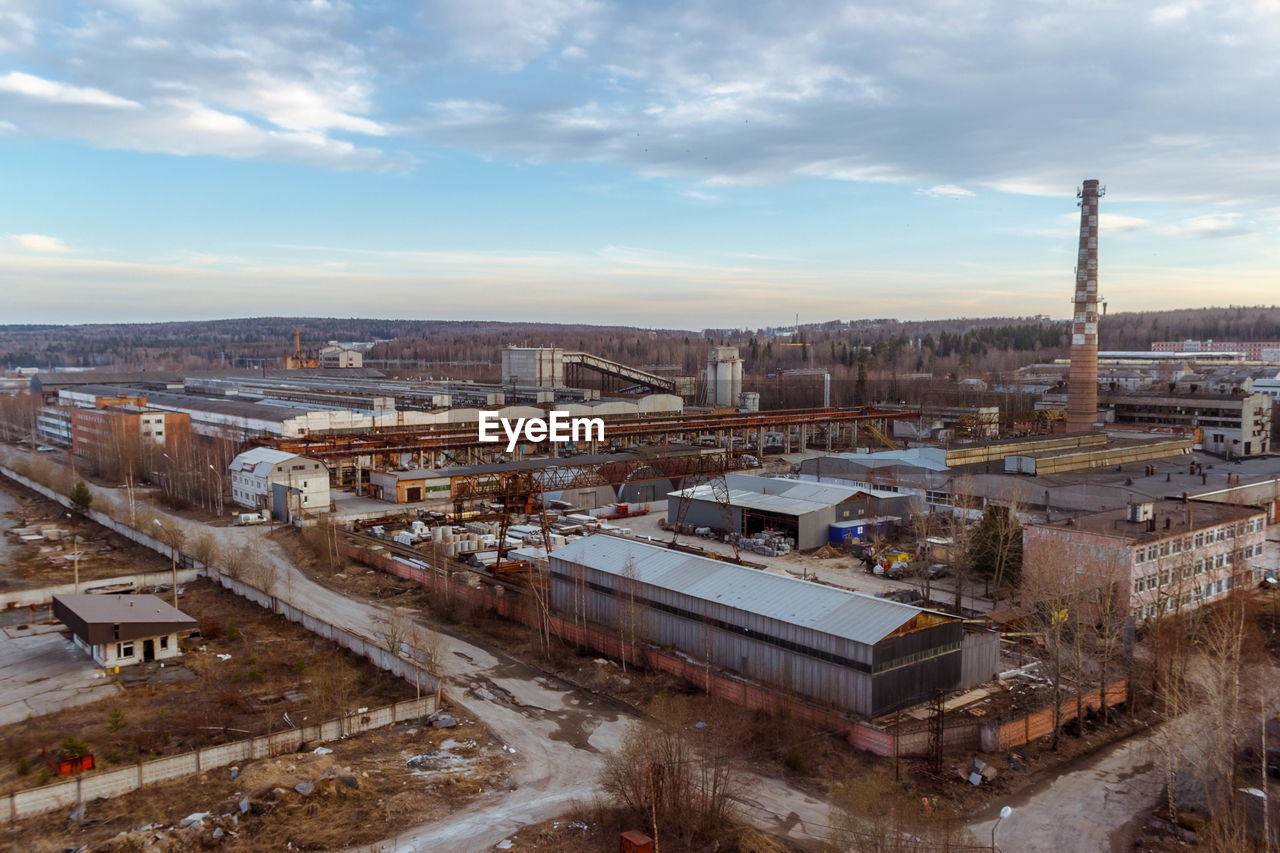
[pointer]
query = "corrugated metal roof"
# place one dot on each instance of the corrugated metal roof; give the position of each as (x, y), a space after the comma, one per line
(777, 494)
(755, 500)
(259, 460)
(842, 613)
(933, 458)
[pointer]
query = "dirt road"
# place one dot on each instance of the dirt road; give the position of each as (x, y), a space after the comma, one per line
(1088, 809)
(559, 734)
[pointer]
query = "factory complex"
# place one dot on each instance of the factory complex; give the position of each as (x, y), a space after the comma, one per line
(828, 556)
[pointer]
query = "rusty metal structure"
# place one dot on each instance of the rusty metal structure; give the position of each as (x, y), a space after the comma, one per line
(520, 489)
(1082, 379)
(460, 444)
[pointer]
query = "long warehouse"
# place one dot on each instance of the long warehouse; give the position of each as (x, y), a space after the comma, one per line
(850, 651)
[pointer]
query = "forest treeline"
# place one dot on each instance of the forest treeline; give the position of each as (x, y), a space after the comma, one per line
(859, 351)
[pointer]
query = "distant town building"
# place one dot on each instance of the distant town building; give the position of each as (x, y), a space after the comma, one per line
(1159, 556)
(340, 357)
(117, 630)
(1252, 350)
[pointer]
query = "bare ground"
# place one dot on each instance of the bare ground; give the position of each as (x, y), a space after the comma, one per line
(455, 767)
(274, 668)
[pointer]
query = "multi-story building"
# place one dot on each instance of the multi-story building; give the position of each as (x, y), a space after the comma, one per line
(1159, 557)
(1230, 424)
(286, 483)
(126, 430)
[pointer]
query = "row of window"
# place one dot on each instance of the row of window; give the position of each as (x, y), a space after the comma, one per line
(1177, 574)
(1198, 594)
(1200, 540)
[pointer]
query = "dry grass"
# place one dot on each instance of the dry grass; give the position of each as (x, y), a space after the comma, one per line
(103, 554)
(276, 667)
(594, 828)
(391, 797)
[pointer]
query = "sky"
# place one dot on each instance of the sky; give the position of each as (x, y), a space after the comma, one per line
(680, 165)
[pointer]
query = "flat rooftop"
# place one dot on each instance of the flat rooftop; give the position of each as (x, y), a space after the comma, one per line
(1171, 518)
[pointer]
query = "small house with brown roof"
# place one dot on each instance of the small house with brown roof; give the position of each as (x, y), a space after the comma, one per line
(117, 630)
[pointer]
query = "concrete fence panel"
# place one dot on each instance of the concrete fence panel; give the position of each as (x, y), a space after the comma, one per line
(164, 769)
(59, 795)
(113, 783)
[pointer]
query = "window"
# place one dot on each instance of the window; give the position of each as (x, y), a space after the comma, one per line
(1166, 576)
(1199, 540)
(164, 642)
(124, 650)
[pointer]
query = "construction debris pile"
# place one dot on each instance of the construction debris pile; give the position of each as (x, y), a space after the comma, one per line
(768, 543)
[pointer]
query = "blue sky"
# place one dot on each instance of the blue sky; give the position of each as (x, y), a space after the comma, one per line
(665, 164)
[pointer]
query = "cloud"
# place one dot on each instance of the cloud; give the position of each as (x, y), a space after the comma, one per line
(38, 243)
(929, 95)
(1212, 226)
(1117, 222)
(945, 191)
(505, 34)
(237, 79)
(54, 92)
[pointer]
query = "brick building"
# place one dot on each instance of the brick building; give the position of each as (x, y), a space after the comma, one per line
(121, 429)
(1161, 556)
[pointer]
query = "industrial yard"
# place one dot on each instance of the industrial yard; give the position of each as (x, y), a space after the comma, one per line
(724, 598)
(243, 673)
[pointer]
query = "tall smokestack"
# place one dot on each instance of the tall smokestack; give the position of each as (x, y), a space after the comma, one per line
(1082, 380)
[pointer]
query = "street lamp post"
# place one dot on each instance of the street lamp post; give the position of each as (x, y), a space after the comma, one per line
(173, 563)
(217, 489)
(1004, 813)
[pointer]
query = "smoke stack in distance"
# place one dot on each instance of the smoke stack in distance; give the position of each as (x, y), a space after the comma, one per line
(1082, 379)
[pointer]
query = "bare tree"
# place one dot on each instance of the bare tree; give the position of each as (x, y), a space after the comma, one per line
(334, 689)
(394, 627)
(673, 774)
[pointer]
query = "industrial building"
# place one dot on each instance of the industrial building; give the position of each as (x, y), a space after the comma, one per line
(1157, 557)
(803, 511)
(118, 429)
(407, 487)
(337, 357)
(1228, 424)
(286, 483)
(853, 652)
(723, 377)
(118, 630)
